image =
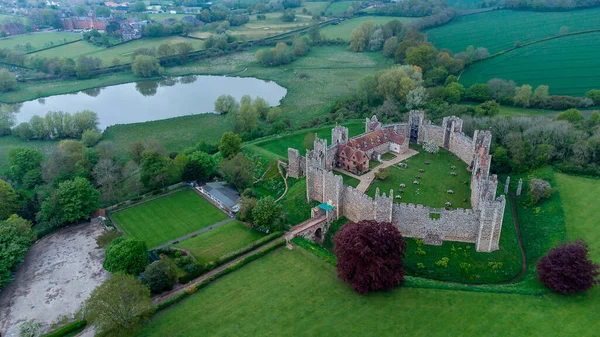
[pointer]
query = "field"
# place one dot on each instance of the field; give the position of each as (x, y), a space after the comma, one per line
(9, 142)
(314, 8)
(338, 8)
(436, 181)
(499, 30)
(211, 245)
(38, 40)
(121, 52)
(168, 218)
(581, 205)
(279, 286)
(345, 28)
(256, 29)
(568, 65)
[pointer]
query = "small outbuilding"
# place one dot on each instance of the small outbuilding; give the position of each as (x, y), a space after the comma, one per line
(223, 194)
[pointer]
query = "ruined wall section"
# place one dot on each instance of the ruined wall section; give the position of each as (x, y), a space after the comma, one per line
(332, 191)
(462, 146)
(492, 213)
(383, 206)
(399, 128)
(357, 205)
(296, 164)
(432, 133)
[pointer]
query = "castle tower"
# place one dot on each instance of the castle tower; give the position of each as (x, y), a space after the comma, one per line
(415, 122)
(339, 135)
(450, 125)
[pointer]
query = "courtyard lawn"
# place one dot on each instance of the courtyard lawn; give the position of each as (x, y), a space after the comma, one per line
(435, 182)
(348, 180)
(209, 246)
(581, 204)
(571, 60)
(38, 41)
(388, 156)
(345, 28)
(500, 30)
(168, 218)
(293, 293)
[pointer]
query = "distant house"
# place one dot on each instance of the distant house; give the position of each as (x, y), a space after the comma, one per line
(13, 28)
(223, 194)
(85, 23)
(119, 6)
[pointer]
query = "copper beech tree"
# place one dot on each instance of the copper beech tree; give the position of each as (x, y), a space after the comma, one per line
(370, 255)
(567, 268)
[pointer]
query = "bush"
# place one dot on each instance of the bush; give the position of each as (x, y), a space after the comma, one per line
(159, 276)
(126, 255)
(106, 238)
(539, 189)
(90, 138)
(382, 174)
(431, 147)
(68, 329)
(567, 268)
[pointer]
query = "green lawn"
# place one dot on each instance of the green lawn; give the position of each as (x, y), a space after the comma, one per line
(568, 65)
(581, 205)
(9, 142)
(279, 145)
(388, 156)
(434, 184)
(293, 293)
(211, 245)
(315, 8)
(168, 218)
(294, 203)
(345, 28)
(499, 30)
(272, 25)
(348, 180)
(38, 40)
(338, 8)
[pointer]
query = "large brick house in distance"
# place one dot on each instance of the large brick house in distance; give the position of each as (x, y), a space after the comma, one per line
(353, 155)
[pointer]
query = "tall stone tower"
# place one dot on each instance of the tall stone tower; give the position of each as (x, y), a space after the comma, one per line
(415, 122)
(339, 135)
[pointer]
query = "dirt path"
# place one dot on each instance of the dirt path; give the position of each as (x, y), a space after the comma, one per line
(58, 275)
(284, 180)
(367, 178)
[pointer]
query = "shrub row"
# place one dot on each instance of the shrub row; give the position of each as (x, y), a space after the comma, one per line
(67, 329)
(253, 245)
(195, 287)
(316, 249)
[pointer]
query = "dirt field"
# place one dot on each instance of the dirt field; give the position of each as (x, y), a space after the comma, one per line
(58, 275)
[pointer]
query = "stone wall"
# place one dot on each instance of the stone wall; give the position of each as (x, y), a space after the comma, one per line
(357, 206)
(462, 146)
(296, 164)
(399, 128)
(432, 133)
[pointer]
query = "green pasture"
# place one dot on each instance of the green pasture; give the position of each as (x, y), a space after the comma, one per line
(581, 204)
(294, 203)
(434, 184)
(38, 40)
(500, 30)
(175, 134)
(569, 65)
(338, 8)
(315, 8)
(164, 16)
(121, 52)
(9, 142)
(209, 246)
(345, 28)
(272, 291)
(168, 218)
(273, 25)
(279, 145)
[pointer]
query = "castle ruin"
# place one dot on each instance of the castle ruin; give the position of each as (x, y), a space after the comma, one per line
(480, 225)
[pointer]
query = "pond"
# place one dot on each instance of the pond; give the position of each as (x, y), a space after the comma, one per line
(153, 100)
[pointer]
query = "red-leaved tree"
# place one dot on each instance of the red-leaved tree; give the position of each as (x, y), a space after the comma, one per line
(369, 255)
(567, 268)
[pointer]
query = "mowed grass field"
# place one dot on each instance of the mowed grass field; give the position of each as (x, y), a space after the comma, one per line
(499, 30)
(168, 218)
(581, 205)
(345, 28)
(569, 65)
(338, 8)
(121, 52)
(209, 246)
(315, 8)
(434, 184)
(38, 40)
(293, 293)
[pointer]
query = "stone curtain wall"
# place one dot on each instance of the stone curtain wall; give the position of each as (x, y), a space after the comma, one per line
(332, 191)
(296, 164)
(462, 146)
(357, 206)
(399, 128)
(432, 133)
(492, 214)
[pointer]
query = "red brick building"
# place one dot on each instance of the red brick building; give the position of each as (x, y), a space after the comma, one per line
(354, 155)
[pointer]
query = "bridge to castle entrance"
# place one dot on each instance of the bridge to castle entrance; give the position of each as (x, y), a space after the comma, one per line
(313, 229)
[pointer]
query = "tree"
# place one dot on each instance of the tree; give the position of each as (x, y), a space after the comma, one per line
(358, 40)
(159, 276)
(8, 200)
(571, 116)
(230, 144)
(479, 92)
(226, 104)
(146, 66)
(90, 138)
(238, 171)
(23, 131)
(453, 92)
(289, 15)
(183, 49)
(154, 169)
(136, 151)
(300, 46)
(165, 50)
(261, 106)
(487, 108)
(366, 90)
(119, 304)
(422, 56)
(523, 95)
(539, 189)
(247, 117)
(22, 160)
(75, 200)
(416, 98)
(266, 214)
(540, 95)
(594, 95)
(200, 167)
(8, 81)
(390, 46)
(314, 32)
(127, 255)
(16, 237)
(567, 268)
(370, 255)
